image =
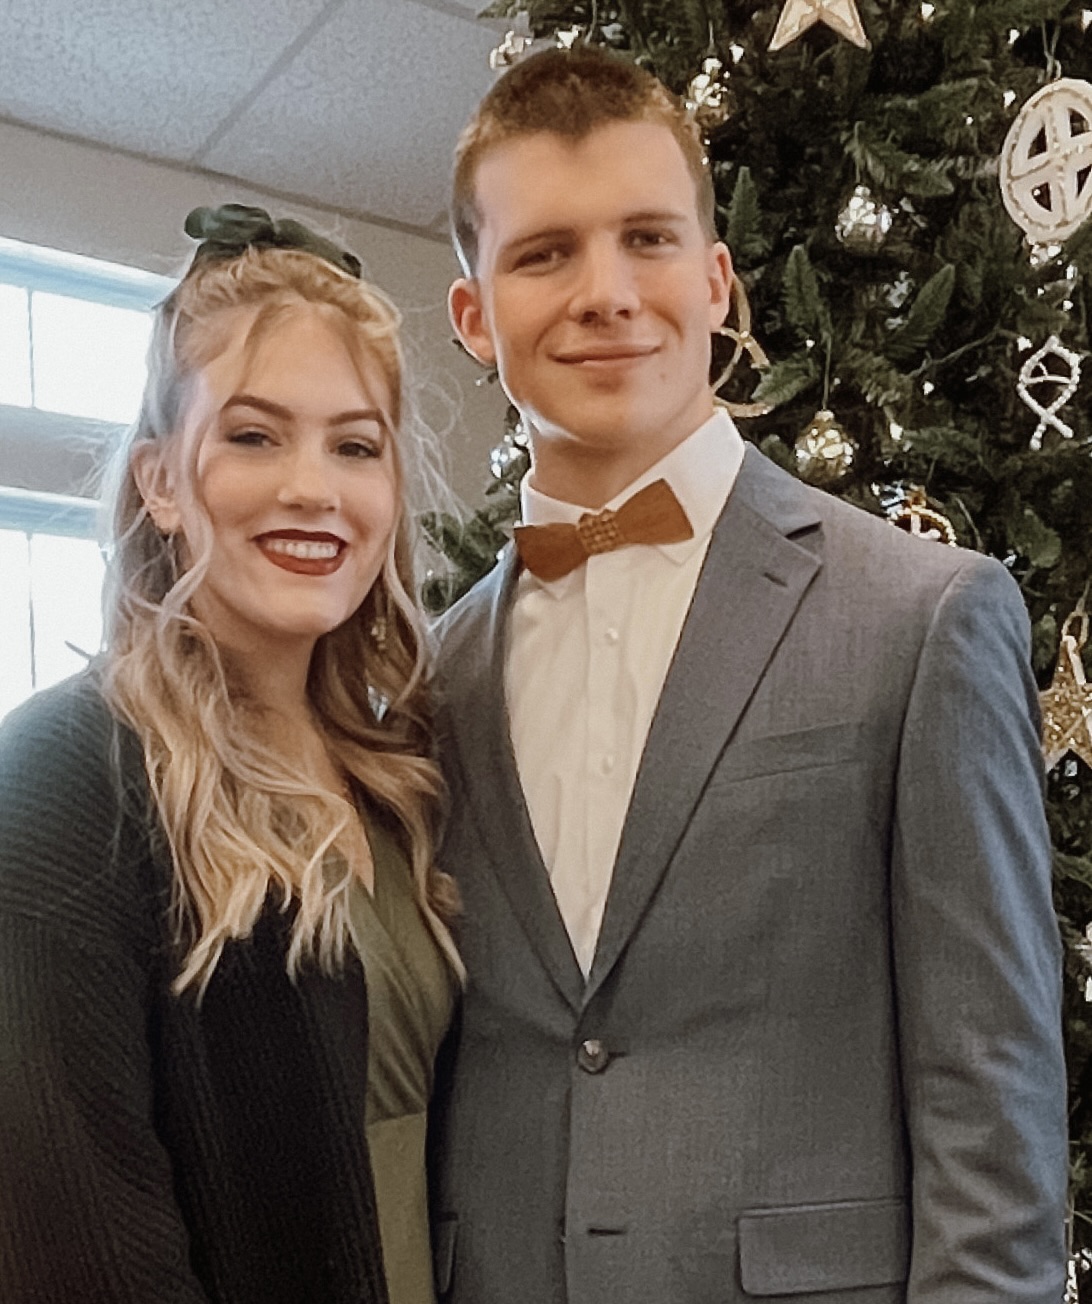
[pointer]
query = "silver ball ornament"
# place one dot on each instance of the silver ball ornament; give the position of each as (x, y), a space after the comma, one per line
(505, 454)
(863, 224)
(824, 452)
(514, 46)
(709, 98)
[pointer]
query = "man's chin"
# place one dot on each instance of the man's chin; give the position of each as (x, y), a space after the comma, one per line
(598, 421)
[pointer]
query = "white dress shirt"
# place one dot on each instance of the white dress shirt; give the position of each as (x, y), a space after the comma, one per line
(585, 664)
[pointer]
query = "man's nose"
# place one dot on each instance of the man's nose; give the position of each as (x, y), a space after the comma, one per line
(606, 284)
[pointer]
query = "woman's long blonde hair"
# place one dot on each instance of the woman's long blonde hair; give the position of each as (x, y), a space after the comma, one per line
(240, 824)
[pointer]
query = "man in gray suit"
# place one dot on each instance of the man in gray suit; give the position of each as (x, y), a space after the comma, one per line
(746, 805)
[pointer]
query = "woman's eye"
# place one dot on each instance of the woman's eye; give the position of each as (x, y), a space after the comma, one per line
(249, 438)
(360, 448)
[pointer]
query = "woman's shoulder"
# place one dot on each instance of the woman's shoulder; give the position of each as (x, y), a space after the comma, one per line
(64, 735)
(76, 701)
(69, 787)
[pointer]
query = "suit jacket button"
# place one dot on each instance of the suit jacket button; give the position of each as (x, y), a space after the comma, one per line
(593, 1056)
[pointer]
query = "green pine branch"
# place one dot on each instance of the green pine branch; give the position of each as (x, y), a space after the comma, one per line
(785, 380)
(895, 170)
(924, 319)
(743, 231)
(805, 306)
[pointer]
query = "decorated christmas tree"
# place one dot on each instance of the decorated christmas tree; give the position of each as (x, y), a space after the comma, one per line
(906, 190)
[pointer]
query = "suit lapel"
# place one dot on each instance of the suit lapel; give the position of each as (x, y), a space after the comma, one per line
(481, 738)
(751, 584)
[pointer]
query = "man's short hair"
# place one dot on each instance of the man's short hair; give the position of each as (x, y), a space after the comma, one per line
(569, 92)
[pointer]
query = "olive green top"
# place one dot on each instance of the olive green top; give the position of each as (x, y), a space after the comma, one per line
(411, 998)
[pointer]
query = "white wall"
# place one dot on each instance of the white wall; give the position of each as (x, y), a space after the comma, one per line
(89, 200)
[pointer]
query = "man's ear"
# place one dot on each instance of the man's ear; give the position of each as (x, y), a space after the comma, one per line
(464, 305)
(721, 280)
(155, 482)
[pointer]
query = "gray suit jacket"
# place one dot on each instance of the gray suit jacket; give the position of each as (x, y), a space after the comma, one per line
(818, 1053)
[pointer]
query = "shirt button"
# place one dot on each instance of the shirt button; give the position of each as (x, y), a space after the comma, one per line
(607, 763)
(593, 1056)
(611, 635)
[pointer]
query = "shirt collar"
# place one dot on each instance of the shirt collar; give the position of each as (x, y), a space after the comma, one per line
(701, 470)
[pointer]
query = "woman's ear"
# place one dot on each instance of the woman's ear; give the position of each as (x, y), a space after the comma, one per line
(155, 481)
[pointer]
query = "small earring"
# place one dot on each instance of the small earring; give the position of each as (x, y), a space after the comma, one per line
(164, 532)
(173, 540)
(378, 632)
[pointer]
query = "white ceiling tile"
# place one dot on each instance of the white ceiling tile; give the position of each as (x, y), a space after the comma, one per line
(365, 116)
(463, 8)
(153, 76)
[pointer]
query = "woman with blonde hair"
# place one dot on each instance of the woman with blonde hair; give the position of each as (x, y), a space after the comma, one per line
(224, 963)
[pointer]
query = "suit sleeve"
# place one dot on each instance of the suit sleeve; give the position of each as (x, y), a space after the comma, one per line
(978, 961)
(86, 1204)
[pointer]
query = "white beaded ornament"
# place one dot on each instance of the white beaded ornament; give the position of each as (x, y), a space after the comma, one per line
(1061, 385)
(1046, 182)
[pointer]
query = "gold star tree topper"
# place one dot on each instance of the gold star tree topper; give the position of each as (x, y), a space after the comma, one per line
(1067, 703)
(839, 15)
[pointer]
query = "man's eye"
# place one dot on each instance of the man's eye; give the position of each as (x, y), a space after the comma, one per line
(539, 258)
(648, 239)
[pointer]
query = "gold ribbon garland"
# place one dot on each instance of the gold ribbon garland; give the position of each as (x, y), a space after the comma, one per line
(745, 342)
(1067, 703)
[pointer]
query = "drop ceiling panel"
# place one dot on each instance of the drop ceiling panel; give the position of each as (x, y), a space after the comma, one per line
(156, 77)
(366, 114)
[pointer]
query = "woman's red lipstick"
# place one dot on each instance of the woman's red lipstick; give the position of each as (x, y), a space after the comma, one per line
(303, 552)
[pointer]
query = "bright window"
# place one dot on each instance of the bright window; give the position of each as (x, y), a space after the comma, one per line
(88, 357)
(73, 339)
(15, 384)
(50, 588)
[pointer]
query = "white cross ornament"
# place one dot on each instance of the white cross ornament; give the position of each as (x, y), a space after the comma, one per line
(1046, 162)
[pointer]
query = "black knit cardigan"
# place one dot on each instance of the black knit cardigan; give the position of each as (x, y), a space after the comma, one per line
(153, 1149)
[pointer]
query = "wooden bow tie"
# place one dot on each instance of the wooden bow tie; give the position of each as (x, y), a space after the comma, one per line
(654, 515)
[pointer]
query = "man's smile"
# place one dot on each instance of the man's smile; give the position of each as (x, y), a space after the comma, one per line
(605, 355)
